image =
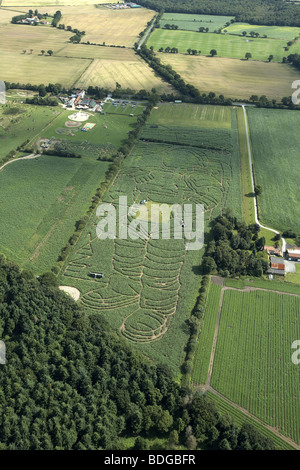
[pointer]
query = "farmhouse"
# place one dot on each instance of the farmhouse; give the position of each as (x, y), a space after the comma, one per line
(277, 266)
(293, 254)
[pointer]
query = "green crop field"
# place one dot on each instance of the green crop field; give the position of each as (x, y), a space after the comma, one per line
(204, 347)
(191, 22)
(239, 418)
(253, 362)
(275, 146)
(276, 32)
(231, 46)
(40, 201)
(233, 78)
(149, 285)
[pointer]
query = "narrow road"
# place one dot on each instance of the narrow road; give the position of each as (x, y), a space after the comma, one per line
(28, 157)
(146, 35)
(252, 181)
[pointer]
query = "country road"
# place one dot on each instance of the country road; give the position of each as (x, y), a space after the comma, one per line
(252, 181)
(146, 35)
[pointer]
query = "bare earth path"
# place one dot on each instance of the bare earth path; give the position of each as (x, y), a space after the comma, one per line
(28, 157)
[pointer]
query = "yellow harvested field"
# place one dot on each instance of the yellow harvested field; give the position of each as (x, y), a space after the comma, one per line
(114, 27)
(42, 3)
(122, 66)
(234, 78)
(37, 69)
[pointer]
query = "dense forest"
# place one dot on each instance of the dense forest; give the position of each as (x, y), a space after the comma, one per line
(69, 382)
(267, 12)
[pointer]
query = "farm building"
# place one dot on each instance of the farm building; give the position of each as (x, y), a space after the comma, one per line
(272, 251)
(277, 266)
(293, 254)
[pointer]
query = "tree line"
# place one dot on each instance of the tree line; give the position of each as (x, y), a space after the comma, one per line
(262, 12)
(71, 383)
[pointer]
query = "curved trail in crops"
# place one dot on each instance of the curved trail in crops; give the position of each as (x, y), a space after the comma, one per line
(253, 185)
(28, 157)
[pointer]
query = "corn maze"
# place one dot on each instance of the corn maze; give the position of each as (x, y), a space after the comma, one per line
(142, 279)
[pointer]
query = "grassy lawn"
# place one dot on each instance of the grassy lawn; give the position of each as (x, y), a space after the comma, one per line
(233, 78)
(114, 133)
(294, 277)
(27, 123)
(276, 32)
(275, 147)
(253, 365)
(231, 46)
(191, 22)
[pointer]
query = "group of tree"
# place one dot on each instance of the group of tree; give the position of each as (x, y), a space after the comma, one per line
(56, 18)
(262, 12)
(171, 26)
(38, 100)
(168, 49)
(71, 383)
(234, 248)
(30, 14)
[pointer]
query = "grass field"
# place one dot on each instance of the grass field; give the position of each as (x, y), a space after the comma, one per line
(232, 77)
(150, 285)
(231, 46)
(275, 147)
(191, 22)
(276, 32)
(26, 123)
(253, 363)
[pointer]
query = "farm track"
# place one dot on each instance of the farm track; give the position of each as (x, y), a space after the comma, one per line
(207, 386)
(253, 184)
(28, 157)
